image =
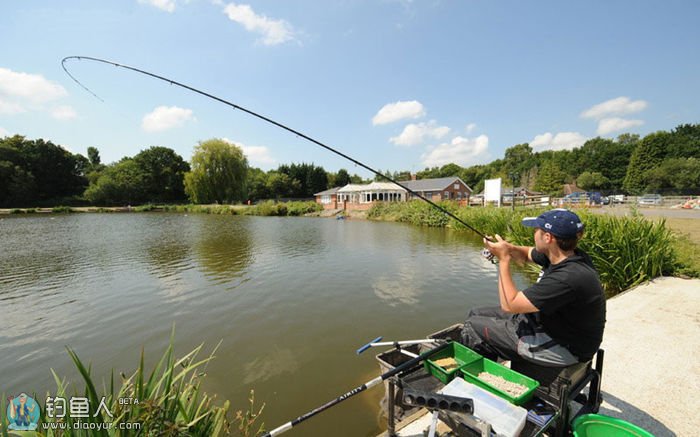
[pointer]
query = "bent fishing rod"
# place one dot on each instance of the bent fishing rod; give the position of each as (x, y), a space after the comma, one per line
(264, 118)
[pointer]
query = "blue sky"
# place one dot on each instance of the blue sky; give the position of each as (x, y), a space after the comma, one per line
(399, 85)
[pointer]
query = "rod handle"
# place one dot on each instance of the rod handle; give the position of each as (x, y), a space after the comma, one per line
(368, 345)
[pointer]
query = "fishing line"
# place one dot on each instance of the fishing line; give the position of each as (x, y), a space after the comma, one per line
(264, 118)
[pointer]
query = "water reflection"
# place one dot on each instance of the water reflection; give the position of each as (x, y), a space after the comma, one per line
(402, 287)
(224, 248)
(273, 364)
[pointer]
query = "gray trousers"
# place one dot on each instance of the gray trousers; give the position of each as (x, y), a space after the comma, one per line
(496, 334)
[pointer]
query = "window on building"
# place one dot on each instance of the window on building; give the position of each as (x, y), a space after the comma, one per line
(447, 195)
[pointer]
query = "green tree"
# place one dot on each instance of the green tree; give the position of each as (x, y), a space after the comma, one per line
(281, 185)
(257, 184)
(648, 154)
(681, 175)
(518, 160)
(119, 184)
(342, 178)
(592, 181)
(94, 156)
(164, 174)
(550, 178)
(218, 173)
(685, 142)
(449, 170)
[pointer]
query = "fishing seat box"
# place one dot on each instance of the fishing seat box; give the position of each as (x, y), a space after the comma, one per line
(392, 358)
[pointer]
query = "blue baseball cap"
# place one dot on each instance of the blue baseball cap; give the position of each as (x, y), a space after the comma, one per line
(558, 222)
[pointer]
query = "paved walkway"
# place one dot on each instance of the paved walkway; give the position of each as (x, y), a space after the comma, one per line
(651, 374)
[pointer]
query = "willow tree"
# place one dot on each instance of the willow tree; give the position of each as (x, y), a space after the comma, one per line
(218, 173)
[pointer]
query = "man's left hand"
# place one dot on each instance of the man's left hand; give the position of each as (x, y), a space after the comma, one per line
(500, 248)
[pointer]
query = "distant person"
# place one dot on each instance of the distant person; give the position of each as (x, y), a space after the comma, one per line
(556, 322)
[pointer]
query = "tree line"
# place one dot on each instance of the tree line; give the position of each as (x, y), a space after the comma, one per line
(667, 162)
(38, 172)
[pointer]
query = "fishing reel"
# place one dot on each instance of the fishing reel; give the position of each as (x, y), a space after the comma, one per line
(489, 256)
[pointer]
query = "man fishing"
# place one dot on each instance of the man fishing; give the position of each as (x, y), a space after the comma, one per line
(556, 322)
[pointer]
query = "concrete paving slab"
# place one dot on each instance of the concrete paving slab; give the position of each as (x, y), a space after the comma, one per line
(651, 375)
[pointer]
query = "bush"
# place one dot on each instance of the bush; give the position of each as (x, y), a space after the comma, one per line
(61, 209)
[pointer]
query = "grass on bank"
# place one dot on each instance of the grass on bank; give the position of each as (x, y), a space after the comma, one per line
(626, 250)
(267, 208)
(170, 403)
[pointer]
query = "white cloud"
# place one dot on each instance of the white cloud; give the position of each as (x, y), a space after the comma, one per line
(273, 31)
(560, 141)
(414, 134)
(470, 127)
(617, 106)
(10, 108)
(166, 5)
(166, 117)
(392, 112)
(32, 87)
(608, 125)
(64, 113)
(461, 151)
(3, 133)
(255, 154)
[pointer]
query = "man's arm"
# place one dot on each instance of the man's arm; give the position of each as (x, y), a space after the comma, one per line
(512, 300)
(521, 253)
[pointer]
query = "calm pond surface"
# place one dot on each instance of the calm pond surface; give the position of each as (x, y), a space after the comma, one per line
(290, 299)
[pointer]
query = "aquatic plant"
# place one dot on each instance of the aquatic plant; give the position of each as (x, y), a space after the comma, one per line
(170, 403)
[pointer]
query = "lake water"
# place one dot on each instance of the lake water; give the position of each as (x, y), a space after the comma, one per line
(290, 299)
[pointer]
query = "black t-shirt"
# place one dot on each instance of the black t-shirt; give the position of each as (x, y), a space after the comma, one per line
(571, 302)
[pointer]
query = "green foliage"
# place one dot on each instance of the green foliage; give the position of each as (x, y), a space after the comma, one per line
(94, 156)
(342, 178)
(119, 184)
(61, 209)
(272, 208)
(550, 178)
(416, 212)
(592, 181)
(311, 179)
(282, 185)
(648, 154)
(163, 174)
(170, 401)
(681, 174)
(218, 173)
(36, 170)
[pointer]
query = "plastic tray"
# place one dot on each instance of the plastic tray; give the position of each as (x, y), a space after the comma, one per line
(462, 354)
(471, 374)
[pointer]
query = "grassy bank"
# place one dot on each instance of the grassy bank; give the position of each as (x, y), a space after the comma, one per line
(626, 250)
(268, 208)
(169, 402)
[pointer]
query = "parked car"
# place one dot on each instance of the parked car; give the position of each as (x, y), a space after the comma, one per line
(593, 198)
(650, 199)
(575, 197)
(617, 198)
